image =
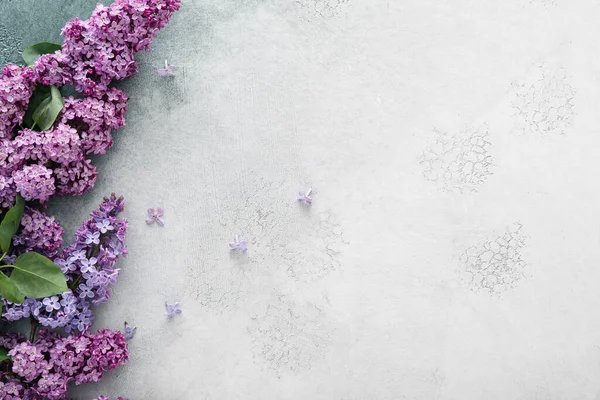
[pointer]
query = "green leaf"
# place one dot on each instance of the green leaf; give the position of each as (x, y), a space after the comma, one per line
(9, 291)
(10, 224)
(3, 354)
(46, 112)
(40, 94)
(36, 276)
(32, 53)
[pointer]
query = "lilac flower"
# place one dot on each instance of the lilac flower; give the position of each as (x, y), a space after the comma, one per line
(92, 238)
(39, 233)
(104, 226)
(129, 331)
(172, 309)
(16, 86)
(51, 303)
(101, 49)
(95, 52)
(168, 70)
(94, 275)
(304, 198)
(238, 244)
(86, 291)
(34, 182)
(155, 216)
(88, 265)
(77, 255)
(95, 117)
(27, 361)
(82, 320)
(43, 369)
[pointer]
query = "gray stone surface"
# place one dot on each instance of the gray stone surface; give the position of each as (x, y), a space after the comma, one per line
(452, 249)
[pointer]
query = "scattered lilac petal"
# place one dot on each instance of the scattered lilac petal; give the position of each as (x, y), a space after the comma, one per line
(129, 331)
(155, 216)
(172, 309)
(168, 70)
(304, 198)
(238, 244)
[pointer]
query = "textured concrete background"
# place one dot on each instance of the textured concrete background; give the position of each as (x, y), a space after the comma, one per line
(452, 249)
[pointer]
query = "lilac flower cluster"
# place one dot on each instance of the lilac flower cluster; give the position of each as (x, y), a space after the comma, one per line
(38, 165)
(44, 368)
(39, 233)
(41, 164)
(89, 266)
(95, 52)
(16, 87)
(95, 117)
(101, 49)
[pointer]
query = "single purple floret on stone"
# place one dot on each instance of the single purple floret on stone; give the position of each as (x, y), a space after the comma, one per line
(304, 198)
(172, 309)
(129, 331)
(238, 244)
(154, 215)
(168, 70)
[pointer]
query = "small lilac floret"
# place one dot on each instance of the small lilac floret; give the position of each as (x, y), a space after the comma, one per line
(168, 70)
(238, 244)
(92, 238)
(304, 198)
(172, 309)
(104, 226)
(129, 331)
(155, 216)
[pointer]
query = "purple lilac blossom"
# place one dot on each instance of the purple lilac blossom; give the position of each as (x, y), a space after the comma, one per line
(238, 244)
(101, 49)
(95, 52)
(304, 198)
(172, 309)
(44, 368)
(89, 266)
(39, 233)
(129, 331)
(16, 87)
(34, 182)
(155, 216)
(95, 117)
(168, 70)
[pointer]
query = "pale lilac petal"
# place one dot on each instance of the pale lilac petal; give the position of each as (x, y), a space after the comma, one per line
(238, 244)
(172, 309)
(129, 331)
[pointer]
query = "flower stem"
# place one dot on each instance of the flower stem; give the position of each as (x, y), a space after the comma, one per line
(3, 255)
(94, 251)
(75, 282)
(34, 326)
